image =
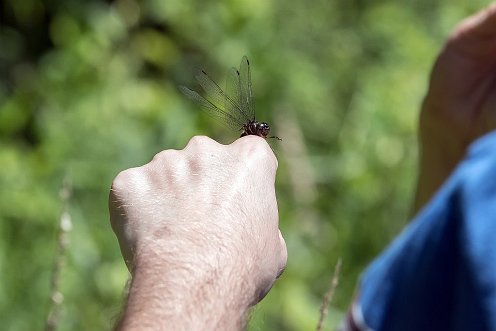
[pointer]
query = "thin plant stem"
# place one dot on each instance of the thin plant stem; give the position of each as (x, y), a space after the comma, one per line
(63, 230)
(324, 308)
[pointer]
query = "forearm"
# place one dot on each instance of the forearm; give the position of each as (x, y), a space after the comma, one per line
(179, 297)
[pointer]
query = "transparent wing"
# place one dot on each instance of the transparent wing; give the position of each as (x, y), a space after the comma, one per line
(246, 93)
(211, 108)
(233, 92)
(235, 105)
(215, 94)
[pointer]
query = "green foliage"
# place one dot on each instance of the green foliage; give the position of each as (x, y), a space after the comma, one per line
(89, 88)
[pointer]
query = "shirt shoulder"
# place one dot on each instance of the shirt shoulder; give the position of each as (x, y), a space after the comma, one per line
(440, 272)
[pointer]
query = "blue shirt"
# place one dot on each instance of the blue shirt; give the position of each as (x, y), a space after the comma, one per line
(440, 272)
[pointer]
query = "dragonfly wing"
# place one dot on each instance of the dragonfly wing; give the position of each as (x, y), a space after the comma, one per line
(233, 92)
(211, 108)
(246, 93)
(217, 96)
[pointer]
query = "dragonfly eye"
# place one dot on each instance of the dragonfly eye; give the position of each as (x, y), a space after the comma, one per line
(264, 129)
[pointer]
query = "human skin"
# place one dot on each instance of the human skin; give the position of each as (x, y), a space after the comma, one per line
(460, 105)
(198, 229)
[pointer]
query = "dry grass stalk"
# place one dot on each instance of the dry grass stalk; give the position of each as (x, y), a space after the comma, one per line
(65, 226)
(324, 308)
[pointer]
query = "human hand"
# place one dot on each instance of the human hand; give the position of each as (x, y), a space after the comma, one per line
(460, 105)
(201, 223)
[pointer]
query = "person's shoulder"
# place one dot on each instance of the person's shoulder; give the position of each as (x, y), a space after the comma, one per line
(448, 249)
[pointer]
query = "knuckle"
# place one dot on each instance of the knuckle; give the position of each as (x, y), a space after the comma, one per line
(200, 142)
(165, 156)
(164, 162)
(256, 149)
(130, 181)
(262, 150)
(124, 179)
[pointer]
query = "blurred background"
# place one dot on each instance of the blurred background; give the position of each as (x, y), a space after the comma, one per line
(89, 88)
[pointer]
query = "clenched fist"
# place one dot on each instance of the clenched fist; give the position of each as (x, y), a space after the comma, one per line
(198, 229)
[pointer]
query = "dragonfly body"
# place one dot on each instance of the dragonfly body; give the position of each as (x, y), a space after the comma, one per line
(255, 128)
(234, 105)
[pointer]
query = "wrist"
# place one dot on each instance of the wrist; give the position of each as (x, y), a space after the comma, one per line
(186, 292)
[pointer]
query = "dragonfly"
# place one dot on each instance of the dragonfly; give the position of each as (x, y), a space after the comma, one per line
(234, 105)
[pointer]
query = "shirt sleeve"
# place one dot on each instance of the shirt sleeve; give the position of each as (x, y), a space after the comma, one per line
(440, 273)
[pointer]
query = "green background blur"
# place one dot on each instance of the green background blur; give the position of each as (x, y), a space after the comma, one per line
(89, 88)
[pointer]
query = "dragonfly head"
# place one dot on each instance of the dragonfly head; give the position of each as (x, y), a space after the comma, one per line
(263, 129)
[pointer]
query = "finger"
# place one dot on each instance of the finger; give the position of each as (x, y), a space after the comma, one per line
(284, 255)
